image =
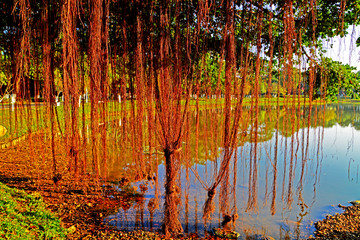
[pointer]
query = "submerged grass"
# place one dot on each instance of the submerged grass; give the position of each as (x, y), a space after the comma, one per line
(32, 119)
(24, 216)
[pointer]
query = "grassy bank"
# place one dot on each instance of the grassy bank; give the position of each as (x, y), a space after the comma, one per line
(24, 216)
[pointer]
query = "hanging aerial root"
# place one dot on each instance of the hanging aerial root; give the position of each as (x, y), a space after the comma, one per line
(209, 207)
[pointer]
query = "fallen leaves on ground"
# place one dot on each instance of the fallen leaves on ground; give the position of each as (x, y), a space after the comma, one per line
(80, 203)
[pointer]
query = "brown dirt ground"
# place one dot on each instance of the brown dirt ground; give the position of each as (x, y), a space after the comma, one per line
(81, 205)
(340, 226)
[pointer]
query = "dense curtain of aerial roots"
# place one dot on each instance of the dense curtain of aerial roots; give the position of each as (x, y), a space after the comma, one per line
(142, 77)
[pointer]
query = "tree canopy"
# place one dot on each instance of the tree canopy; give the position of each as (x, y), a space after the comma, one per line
(202, 29)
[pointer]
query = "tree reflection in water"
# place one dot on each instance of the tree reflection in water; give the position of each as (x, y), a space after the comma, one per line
(279, 137)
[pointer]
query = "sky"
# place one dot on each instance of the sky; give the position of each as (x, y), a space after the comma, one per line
(344, 49)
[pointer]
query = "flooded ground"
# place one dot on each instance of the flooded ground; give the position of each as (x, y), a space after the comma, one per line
(316, 168)
(294, 172)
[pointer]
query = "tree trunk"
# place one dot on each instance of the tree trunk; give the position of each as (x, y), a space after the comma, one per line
(171, 225)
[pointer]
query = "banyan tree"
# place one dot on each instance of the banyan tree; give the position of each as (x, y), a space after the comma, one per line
(151, 65)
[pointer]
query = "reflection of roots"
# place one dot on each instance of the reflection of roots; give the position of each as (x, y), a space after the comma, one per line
(226, 223)
(209, 207)
(152, 206)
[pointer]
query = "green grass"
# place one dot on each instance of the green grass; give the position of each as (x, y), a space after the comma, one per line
(24, 216)
(351, 101)
(262, 102)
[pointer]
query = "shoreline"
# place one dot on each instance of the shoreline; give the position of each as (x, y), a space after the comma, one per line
(345, 225)
(81, 210)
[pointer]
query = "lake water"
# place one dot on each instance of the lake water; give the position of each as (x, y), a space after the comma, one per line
(317, 168)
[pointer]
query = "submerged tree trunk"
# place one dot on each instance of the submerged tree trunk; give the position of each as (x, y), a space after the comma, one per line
(172, 225)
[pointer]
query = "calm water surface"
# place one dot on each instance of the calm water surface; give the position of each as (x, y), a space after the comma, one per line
(317, 168)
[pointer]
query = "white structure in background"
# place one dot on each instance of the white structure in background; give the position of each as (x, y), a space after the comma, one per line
(119, 97)
(86, 95)
(12, 100)
(57, 103)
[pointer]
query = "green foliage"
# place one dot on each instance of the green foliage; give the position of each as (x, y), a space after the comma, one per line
(3, 79)
(209, 67)
(340, 78)
(5, 73)
(278, 88)
(24, 216)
